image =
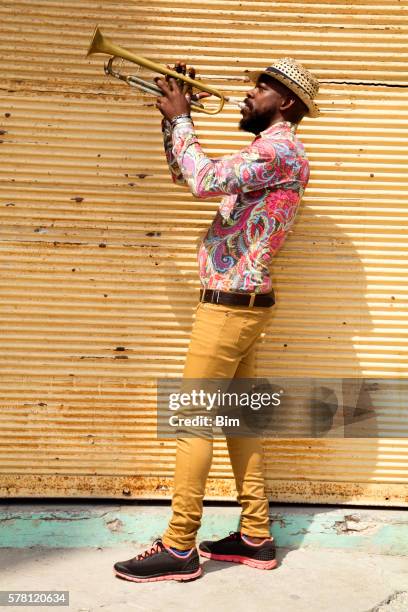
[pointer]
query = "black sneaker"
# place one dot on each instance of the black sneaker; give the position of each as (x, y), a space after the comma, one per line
(238, 550)
(160, 563)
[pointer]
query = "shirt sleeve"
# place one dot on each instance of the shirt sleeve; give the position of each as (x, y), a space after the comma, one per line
(255, 167)
(175, 172)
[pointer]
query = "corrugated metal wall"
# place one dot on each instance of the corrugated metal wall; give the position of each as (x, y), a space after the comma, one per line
(98, 272)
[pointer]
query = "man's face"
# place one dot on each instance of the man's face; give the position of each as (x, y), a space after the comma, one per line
(262, 105)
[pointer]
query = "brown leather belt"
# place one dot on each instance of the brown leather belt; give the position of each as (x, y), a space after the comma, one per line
(237, 299)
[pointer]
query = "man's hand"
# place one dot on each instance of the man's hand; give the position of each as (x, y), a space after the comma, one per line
(173, 102)
(176, 98)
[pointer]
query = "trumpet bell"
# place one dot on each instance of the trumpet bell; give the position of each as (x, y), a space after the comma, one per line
(97, 43)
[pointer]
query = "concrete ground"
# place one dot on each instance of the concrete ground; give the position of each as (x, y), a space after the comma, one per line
(305, 581)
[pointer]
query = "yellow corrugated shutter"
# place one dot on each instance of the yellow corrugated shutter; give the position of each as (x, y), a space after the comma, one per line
(98, 272)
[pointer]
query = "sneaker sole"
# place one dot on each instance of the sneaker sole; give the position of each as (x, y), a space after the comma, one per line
(267, 565)
(179, 577)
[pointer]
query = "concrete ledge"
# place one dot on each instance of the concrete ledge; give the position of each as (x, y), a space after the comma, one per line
(63, 525)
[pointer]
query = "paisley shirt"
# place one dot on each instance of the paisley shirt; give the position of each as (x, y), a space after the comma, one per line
(261, 185)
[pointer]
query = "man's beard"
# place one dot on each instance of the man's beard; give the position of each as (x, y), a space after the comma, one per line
(255, 122)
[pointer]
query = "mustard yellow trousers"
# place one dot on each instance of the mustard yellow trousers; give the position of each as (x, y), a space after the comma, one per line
(222, 346)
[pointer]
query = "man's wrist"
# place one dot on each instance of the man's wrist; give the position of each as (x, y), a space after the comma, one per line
(182, 118)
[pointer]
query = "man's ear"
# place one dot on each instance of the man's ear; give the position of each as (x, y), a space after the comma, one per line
(287, 103)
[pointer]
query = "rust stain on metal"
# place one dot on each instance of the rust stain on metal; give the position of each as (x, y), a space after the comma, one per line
(150, 487)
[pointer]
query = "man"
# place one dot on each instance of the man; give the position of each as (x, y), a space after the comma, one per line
(262, 186)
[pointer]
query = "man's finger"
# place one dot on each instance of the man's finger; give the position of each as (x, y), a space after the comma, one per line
(163, 85)
(170, 68)
(181, 66)
(182, 70)
(188, 88)
(172, 84)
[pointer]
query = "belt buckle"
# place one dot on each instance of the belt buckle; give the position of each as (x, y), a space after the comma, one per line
(252, 300)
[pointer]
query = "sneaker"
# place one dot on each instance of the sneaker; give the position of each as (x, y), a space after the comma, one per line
(160, 563)
(238, 550)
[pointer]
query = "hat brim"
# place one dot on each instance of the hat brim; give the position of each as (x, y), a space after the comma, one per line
(313, 109)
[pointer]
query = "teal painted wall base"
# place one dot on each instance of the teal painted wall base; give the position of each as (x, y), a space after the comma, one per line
(58, 525)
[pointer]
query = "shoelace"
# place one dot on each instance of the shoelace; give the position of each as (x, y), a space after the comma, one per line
(156, 548)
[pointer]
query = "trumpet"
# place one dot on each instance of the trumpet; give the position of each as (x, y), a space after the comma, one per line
(102, 44)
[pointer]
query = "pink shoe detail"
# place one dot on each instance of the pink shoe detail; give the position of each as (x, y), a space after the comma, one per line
(174, 554)
(267, 565)
(180, 577)
(248, 542)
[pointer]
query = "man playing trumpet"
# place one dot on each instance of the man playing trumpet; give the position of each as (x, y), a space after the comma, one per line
(261, 187)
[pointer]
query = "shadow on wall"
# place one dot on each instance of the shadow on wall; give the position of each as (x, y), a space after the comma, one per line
(320, 318)
(320, 314)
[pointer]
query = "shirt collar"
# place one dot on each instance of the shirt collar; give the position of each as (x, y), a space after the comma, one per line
(278, 127)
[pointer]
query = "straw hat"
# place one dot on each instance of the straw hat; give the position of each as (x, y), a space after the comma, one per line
(295, 76)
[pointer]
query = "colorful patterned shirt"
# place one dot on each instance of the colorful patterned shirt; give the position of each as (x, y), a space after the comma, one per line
(261, 185)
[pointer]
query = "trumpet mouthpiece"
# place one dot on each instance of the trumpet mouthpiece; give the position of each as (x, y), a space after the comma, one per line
(235, 102)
